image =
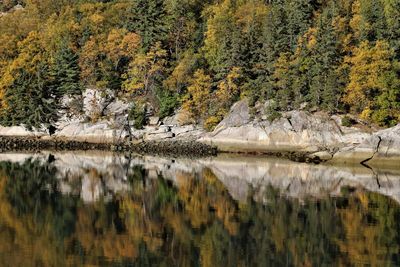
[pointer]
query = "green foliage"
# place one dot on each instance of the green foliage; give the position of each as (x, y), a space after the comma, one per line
(149, 19)
(168, 104)
(138, 114)
(65, 72)
(33, 104)
(347, 121)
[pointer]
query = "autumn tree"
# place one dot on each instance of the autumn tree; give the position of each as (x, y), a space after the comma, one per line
(373, 90)
(145, 73)
(27, 97)
(198, 95)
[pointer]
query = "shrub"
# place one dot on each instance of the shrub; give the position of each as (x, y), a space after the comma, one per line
(211, 123)
(138, 114)
(168, 104)
(272, 112)
(347, 121)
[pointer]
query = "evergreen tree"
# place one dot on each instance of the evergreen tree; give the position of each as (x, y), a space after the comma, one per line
(149, 19)
(323, 88)
(65, 72)
(31, 102)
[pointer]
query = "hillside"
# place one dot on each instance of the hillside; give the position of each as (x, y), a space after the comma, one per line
(336, 56)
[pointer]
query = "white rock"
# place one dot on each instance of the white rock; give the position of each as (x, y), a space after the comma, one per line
(153, 120)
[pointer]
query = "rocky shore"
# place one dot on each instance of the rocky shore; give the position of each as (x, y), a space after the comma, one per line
(298, 135)
(175, 148)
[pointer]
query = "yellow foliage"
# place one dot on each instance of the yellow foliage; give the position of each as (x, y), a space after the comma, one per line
(178, 77)
(88, 59)
(31, 55)
(309, 39)
(251, 14)
(368, 64)
(211, 122)
(198, 96)
(120, 43)
(143, 71)
(229, 88)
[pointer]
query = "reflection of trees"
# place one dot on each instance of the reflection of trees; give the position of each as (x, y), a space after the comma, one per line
(34, 216)
(195, 222)
(371, 229)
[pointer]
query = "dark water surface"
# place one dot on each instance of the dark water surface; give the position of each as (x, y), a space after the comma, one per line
(100, 209)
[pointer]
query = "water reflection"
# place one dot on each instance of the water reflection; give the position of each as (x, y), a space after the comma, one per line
(103, 209)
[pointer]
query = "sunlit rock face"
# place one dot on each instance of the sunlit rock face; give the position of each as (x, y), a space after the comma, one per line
(296, 130)
(303, 131)
(102, 175)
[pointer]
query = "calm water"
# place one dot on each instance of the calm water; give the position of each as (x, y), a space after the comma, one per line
(92, 209)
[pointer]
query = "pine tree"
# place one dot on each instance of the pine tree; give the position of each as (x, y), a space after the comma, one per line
(31, 101)
(284, 23)
(325, 54)
(65, 72)
(149, 19)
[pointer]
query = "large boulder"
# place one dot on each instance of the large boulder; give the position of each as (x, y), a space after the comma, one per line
(180, 118)
(238, 116)
(99, 132)
(294, 131)
(381, 148)
(21, 131)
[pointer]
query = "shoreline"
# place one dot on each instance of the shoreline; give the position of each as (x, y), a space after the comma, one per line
(162, 147)
(179, 148)
(171, 147)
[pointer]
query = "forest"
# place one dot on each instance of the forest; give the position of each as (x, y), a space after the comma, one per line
(335, 56)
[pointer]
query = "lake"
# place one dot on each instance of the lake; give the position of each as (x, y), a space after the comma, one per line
(105, 209)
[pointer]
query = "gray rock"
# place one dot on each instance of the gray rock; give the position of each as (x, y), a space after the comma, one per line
(381, 148)
(21, 131)
(92, 132)
(180, 118)
(295, 131)
(322, 155)
(158, 136)
(238, 116)
(183, 129)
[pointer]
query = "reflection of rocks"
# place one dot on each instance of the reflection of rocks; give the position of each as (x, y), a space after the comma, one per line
(96, 175)
(300, 180)
(92, 188)
(101, 174)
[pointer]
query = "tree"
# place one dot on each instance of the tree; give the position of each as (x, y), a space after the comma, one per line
(105, 58)
(198, 95)
(28, 99)
(177, 80)
(65, 72)
(374, 83)
(145, 73)
(228, 90)
(149, 19)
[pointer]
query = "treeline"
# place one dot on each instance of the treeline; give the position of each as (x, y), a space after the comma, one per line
(340, 56)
